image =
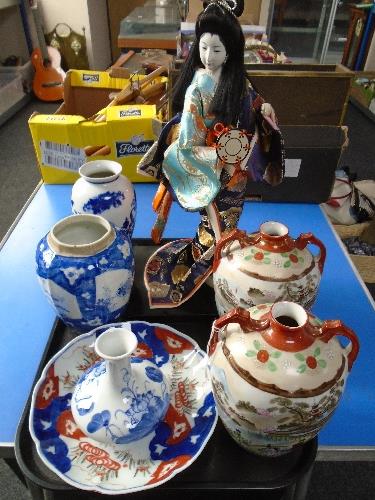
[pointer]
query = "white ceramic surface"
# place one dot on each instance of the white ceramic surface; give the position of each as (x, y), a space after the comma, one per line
(267, 266)
(86, 268)
(103, 190)
(109, 468)
(116, 401)
(277, 385)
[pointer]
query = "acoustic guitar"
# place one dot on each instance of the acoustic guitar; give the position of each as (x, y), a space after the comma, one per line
(48, 83)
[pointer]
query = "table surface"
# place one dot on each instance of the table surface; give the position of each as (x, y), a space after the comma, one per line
(27, 318)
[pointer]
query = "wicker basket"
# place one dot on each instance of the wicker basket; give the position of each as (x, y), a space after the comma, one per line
(365, 264)
(350, 231)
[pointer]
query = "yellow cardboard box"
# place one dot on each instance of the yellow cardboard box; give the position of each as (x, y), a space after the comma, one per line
(65, 140)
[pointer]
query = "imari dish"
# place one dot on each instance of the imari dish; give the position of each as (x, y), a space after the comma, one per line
(111, 468)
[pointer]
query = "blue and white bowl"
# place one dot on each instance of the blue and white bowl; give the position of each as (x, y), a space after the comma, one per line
(86, 269)
(102, 190)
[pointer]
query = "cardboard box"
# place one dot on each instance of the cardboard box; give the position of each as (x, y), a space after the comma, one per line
(312, 155)
(65, 140)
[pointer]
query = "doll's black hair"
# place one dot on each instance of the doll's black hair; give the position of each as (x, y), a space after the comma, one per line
(226, 103)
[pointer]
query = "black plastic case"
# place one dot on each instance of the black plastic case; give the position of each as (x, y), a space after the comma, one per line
(222, 466)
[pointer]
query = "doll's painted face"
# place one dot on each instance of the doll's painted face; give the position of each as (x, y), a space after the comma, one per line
(212, 51)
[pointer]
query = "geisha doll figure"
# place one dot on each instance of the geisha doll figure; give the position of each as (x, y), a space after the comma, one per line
(212, 95)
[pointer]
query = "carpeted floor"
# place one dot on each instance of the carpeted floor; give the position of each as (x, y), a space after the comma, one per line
(19, 176)
(11, 488)
(19, 173)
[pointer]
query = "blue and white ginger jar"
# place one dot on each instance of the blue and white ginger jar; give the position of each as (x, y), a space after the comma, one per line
(86, 269)
(102, 190)
(119, 399)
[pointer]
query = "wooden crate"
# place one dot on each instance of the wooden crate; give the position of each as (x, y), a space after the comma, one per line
(304, 94)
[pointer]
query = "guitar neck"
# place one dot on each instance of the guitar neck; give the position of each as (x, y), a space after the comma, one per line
(40, 33)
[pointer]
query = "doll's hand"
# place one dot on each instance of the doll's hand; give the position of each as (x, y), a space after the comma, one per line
(267, 110)
(273, 175)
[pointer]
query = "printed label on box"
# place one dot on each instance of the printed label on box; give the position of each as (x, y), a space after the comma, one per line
(55, 118)
(90, 78)
(133, 147)
(292, 167)
(62, 156)
(130, 112)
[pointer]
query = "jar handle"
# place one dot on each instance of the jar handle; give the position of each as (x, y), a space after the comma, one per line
(236, 234)
(332, 328)
(241, 316)
(304, 239)
(237, 315)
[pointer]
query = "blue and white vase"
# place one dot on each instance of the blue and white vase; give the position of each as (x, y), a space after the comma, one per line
(102, 190)
(86, 268)
(119, 399)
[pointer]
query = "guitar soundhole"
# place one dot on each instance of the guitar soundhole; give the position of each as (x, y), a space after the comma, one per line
(287, 321)
(101, 174)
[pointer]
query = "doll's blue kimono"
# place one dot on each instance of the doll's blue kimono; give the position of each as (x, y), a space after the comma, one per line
(196, 177)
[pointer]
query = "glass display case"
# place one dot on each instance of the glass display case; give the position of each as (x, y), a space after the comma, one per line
(337, 37)
(155, 25)
(154, 17)
(310, 31)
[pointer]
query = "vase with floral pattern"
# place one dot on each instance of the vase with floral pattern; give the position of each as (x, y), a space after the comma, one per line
(119, 399)
(278, 374)
(266, 266)
(86, 267)
(103, 190)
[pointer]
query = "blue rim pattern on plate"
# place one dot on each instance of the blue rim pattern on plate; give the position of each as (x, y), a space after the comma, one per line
(112, 469)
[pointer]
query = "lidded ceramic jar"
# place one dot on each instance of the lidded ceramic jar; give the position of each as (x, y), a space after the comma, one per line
(119, 399)
(278, 374)
(266, 266)
(103, 190)
(85, 267)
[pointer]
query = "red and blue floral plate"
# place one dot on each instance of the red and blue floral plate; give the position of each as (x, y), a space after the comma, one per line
(112, 469)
